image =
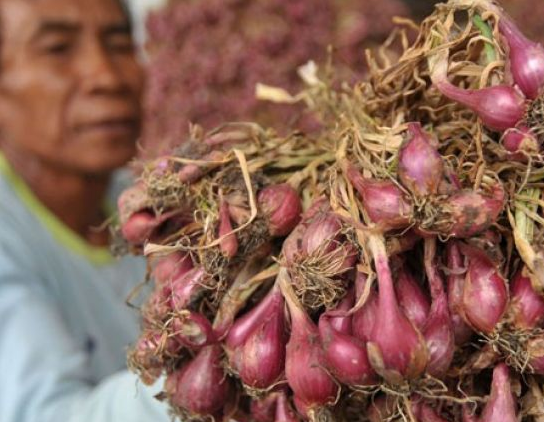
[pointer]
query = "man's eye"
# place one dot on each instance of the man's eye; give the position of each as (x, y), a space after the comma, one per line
(121, 44)
(58, 48)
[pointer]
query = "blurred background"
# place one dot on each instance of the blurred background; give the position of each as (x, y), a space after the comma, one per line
(204, 57)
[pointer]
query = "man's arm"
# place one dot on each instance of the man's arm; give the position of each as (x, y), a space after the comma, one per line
(44, 375)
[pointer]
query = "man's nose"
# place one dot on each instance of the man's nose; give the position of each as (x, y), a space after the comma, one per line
(99, 72)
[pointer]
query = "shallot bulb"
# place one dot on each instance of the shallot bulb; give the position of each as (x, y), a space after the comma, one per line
(535, 351)
(323, 237)
(412, 300)
(192, 330)
(259, 358)
(381, 409)
(171, 267)
(246, 324)
(139, 227)
(499, 107)
(305, 359)
(456, 281)
(282, 208)
(364, 319)
(420, 166)
(346, 356)
(132, 200)
(485, 295)
(500, 406)
(429, 415)
(396, 349)
(200, 386)
(147, 355)
(157, 307)
(438, 330)
(467, 213)
(264, 409)
(526, 59)
(519, 142)
(526, 305)
(284, 411)
(228, 242)
(186, 288)
(339, 322)
(191, 172)
(292, 246)
(382, 200)
(143, 225)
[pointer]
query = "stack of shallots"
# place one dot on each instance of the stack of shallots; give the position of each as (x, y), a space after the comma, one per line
(389, 267)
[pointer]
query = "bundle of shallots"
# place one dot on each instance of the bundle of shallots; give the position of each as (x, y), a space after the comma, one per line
(388, 267)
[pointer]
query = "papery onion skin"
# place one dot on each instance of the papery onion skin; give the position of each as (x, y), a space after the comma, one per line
(147, 356)
(292, 245)
(157, 307)
(535, 351)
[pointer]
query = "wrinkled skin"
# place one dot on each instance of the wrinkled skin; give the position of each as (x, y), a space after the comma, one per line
(69, 102)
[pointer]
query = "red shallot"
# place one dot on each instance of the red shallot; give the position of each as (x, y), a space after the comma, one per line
(420, 166)
(200, 386)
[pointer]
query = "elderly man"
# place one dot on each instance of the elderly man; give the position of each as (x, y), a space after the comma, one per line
(69, 117)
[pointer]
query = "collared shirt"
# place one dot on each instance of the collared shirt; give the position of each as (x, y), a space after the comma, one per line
(64, 323)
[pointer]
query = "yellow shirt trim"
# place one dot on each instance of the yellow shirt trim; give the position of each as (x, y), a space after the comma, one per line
(64, 235)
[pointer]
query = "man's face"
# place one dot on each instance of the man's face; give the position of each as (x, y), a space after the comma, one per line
(69, 83)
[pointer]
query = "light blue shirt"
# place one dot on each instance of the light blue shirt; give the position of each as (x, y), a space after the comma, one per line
(64, 324)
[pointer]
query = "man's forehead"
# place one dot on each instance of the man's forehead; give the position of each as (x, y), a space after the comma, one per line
(79, 12)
